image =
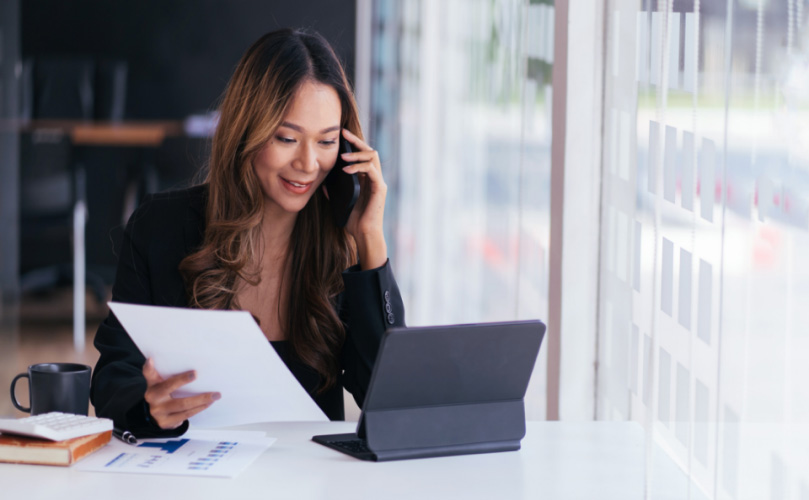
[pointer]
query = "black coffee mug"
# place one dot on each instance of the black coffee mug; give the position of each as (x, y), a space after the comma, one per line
(63, 387)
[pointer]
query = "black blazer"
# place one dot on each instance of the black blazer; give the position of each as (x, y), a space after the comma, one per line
(165, 229)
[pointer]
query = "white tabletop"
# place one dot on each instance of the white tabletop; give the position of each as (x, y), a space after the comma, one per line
(557, 460)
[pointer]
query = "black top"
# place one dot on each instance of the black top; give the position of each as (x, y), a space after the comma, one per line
(165, 229)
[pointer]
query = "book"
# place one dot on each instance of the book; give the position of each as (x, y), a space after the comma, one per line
(26, 450)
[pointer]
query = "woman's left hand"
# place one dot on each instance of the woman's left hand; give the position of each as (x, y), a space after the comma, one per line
(365, 222)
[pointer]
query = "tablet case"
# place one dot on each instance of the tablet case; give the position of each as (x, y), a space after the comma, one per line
(449, 390)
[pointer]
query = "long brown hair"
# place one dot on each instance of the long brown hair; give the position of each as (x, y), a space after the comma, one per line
(253, 106)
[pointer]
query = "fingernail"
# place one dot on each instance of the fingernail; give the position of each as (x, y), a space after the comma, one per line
(345, 156)
(216, 396)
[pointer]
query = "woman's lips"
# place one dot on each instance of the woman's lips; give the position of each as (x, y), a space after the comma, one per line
(296, 187)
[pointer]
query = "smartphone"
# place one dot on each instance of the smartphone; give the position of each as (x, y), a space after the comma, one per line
(343, 188)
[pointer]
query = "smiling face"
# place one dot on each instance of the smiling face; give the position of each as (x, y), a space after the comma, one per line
(297, 158)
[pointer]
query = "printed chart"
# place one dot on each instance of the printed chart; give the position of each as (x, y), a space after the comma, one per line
(180, 456)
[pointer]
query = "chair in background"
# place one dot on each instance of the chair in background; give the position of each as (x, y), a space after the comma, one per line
(47, 194)
(53, 191)
(64, 88)
(113, 171)
(110, 84)
(52, 213)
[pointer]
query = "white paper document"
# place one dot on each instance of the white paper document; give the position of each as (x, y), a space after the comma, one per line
(230, 355)
(223, 454)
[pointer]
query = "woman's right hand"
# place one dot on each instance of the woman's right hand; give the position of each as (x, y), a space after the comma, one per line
(169, 412)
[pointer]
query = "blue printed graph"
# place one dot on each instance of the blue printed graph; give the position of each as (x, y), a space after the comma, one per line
(168, 446)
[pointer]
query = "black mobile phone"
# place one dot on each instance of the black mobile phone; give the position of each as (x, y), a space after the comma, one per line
(343, 188)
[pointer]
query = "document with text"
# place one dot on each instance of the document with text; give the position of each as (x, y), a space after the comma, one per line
(230, 355)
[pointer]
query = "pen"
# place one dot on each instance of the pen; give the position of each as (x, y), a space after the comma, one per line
(125, 436)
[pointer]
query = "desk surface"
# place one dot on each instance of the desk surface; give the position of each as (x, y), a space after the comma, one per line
(558, 460)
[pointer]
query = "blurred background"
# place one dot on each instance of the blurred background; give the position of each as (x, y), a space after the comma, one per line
(635, 173)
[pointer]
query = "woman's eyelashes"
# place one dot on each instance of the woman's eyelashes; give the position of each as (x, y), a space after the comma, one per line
(289, 140)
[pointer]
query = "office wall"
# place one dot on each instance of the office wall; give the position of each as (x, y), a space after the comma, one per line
(180, 53)
(703, 332)
(461, 114)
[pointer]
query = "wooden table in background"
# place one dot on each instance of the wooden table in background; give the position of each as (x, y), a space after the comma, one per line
(135, 133)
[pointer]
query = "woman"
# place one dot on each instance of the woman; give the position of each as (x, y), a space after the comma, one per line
(258, 236)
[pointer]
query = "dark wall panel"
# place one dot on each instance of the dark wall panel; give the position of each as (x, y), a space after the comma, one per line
(180, 52)
(9, 152)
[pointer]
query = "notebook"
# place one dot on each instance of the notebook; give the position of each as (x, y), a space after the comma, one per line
(445, 390)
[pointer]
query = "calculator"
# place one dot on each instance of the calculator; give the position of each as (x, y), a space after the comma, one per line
(55, 426)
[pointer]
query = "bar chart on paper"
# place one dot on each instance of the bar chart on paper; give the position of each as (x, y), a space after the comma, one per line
(217, 454)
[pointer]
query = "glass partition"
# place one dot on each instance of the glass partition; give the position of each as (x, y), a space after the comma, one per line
(704, 281)
(460, 114)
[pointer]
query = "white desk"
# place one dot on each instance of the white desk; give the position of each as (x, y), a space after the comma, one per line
(558, 460)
